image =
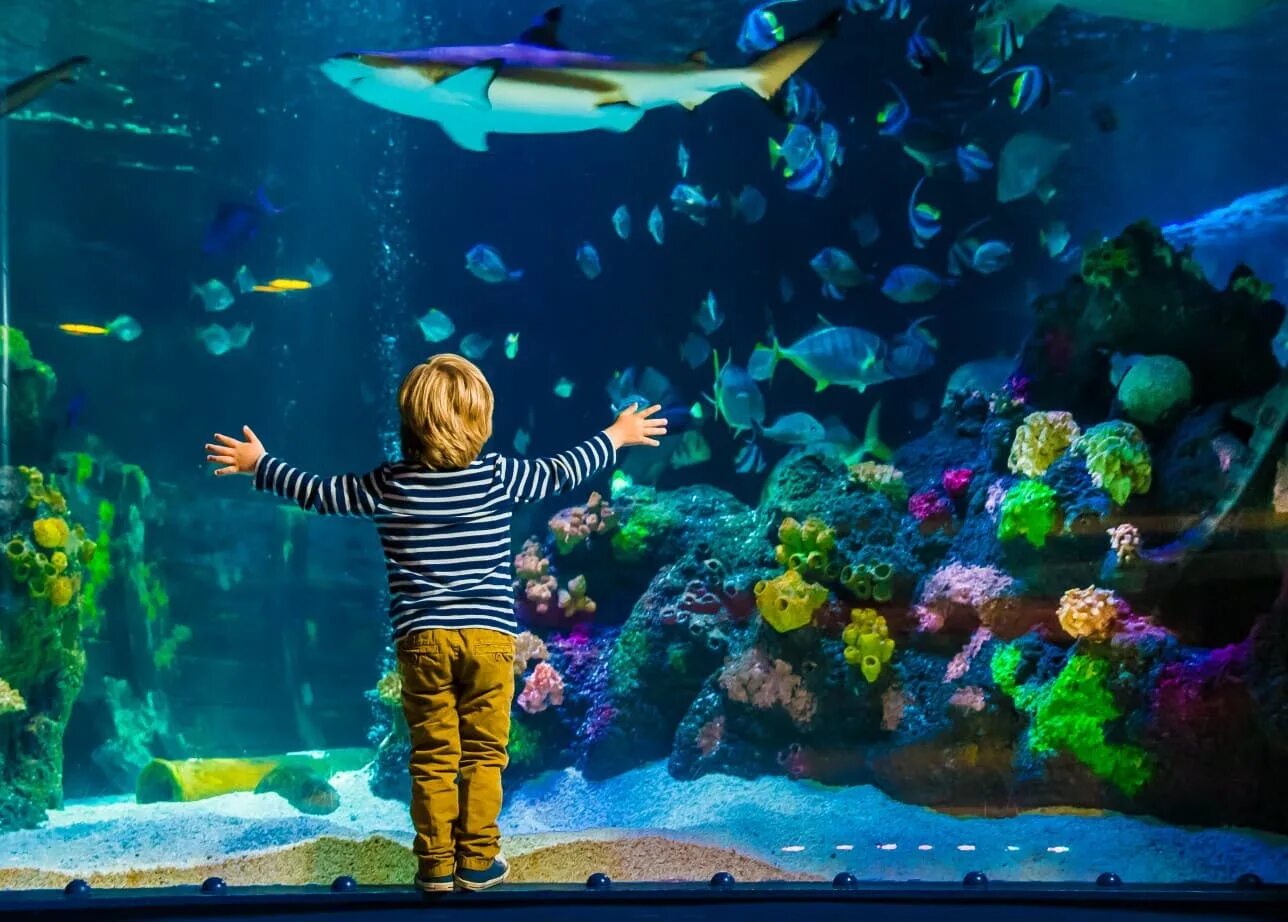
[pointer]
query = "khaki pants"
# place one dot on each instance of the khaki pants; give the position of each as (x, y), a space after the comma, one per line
(457, 687)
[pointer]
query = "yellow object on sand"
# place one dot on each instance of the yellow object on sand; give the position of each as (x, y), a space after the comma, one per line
(164, 780)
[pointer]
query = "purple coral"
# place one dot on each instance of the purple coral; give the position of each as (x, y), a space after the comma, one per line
(930, 506)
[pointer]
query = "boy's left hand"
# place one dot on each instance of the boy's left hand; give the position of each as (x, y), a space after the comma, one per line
(234, 456)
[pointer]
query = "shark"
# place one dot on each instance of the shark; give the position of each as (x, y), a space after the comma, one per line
(1179, 14)
(535, 85)
(28, 89)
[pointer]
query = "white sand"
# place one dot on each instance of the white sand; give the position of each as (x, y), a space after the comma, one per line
(798, 826)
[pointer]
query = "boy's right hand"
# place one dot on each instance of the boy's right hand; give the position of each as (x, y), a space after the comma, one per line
(636, 427)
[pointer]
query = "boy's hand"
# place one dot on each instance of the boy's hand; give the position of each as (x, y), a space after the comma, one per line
(233, 455)
(636, 427)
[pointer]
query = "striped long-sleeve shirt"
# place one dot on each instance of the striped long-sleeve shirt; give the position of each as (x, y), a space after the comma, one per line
(445, 534)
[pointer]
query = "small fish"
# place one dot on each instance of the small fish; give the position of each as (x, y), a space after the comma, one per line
(125, 328)
(829, 140)
(709, 318)
(894, 116)
(961, 254)
(693, 449)
(889, 8)
(1031, 87)
(682, 160)
(588, 260)
(521, 441)
(484, 262)
(318, 273)
(923, 52)
(798, 102)
(795, 429)
(909, 284)
(475, 346)
(838, 271)
(695, 350)
(436, 326)
(564, 388)
(28, 89)
(691, 202)
(973, 161)
(237, 223)
(219, 340)
(1008, 41)
(244, 280)
(750, 204)
(866, 228)
(912, 352)
(83, 329)
(1026, 164)
(622, 222)
(736, 397)
(991, 256)
(786, 290)
(749, 460)
(279, 286)
(214, 295)
(656, 226)
(793, 151)
(761, 30)
(511, 345)
(830, 355)
(923, 218)
(1054, 238)
(815, 177)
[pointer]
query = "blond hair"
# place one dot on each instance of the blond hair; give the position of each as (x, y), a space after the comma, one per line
(446, 409)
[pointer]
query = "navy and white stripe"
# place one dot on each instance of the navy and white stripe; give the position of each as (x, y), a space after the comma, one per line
(445, 534)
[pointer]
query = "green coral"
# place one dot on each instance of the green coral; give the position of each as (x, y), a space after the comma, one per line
(1154, 388)
(32, 382)
(1029, 510)
(867, 642)
(1117, 458)
(629, 653)
(1100, 264)
(806, 547)
(788, 602)
(1251, 285)
(871, 580)
(1069, 715)
(524, 748)
(163, 657)
(645, 520)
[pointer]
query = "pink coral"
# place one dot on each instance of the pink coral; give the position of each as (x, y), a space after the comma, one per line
(575, 524)
(961, 663)
(961, 594)
(534, 577)
(956, 481)
(543, 688)
(996, 493)
(528, 647)
(968, 698)
(894, 702)
(756, 680)
(710, 736)
(929, 506)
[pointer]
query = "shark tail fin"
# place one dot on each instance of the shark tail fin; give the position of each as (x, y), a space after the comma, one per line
(766, 75)
(872, 444)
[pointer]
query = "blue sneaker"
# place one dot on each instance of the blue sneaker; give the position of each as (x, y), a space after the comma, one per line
(485, 879)
(443, 884)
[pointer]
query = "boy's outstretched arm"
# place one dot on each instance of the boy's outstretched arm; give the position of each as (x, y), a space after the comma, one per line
(527, 481)
(346, 494)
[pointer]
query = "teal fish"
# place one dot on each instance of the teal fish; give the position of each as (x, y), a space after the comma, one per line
(474, 346)
(844, 356)
(436, 326)
(795, 429)
(909, 284)
(736, 397)
(511, 345)
(214, 295)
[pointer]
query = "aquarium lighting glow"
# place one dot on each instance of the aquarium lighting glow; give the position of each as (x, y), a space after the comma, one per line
(1058, 849)
(965, 848)
(793, 848)
(887, 846)
(845, 848)
(925, 848)
(1012, 848)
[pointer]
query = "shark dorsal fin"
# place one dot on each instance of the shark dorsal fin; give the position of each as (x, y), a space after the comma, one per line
(544, 31)
(700, 58)
(470, 86)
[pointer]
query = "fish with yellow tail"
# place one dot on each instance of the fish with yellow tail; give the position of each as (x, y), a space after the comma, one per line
(537, 86)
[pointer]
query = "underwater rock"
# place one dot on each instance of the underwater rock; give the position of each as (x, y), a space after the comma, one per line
(303, 788)
(1138, 295)
(138, 725)
(31, 386)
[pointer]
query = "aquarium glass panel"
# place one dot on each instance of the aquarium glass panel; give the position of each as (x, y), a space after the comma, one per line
(962, 547)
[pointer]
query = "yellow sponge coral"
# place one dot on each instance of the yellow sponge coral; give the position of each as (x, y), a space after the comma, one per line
(1041, 438)
(51, 532)
(1090, 613)
(805, 546)
(788, 602)
(867, 642)
(61, 590)
(10, 701)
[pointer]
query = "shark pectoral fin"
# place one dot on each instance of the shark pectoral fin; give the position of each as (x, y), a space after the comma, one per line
(621, 115)
(466, 135)
(470, 86)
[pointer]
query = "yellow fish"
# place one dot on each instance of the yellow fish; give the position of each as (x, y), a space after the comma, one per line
(280, 286)
(83, 329)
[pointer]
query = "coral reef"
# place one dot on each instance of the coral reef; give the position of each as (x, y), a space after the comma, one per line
(1117, 457)
(788, 602)
(1040, 439)
(576, 524)
(1028, 511)
(867, 642)
(543, 688)
(753, 679)
(1091, 613)
(1155, 389)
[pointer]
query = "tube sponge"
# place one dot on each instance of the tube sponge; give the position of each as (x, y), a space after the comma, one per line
(1117, 458)
(867, 642)
(805, 546)
(787, 602)
(1028, 510)
(1041, 438)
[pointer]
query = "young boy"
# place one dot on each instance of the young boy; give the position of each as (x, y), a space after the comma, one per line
(443, 515)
